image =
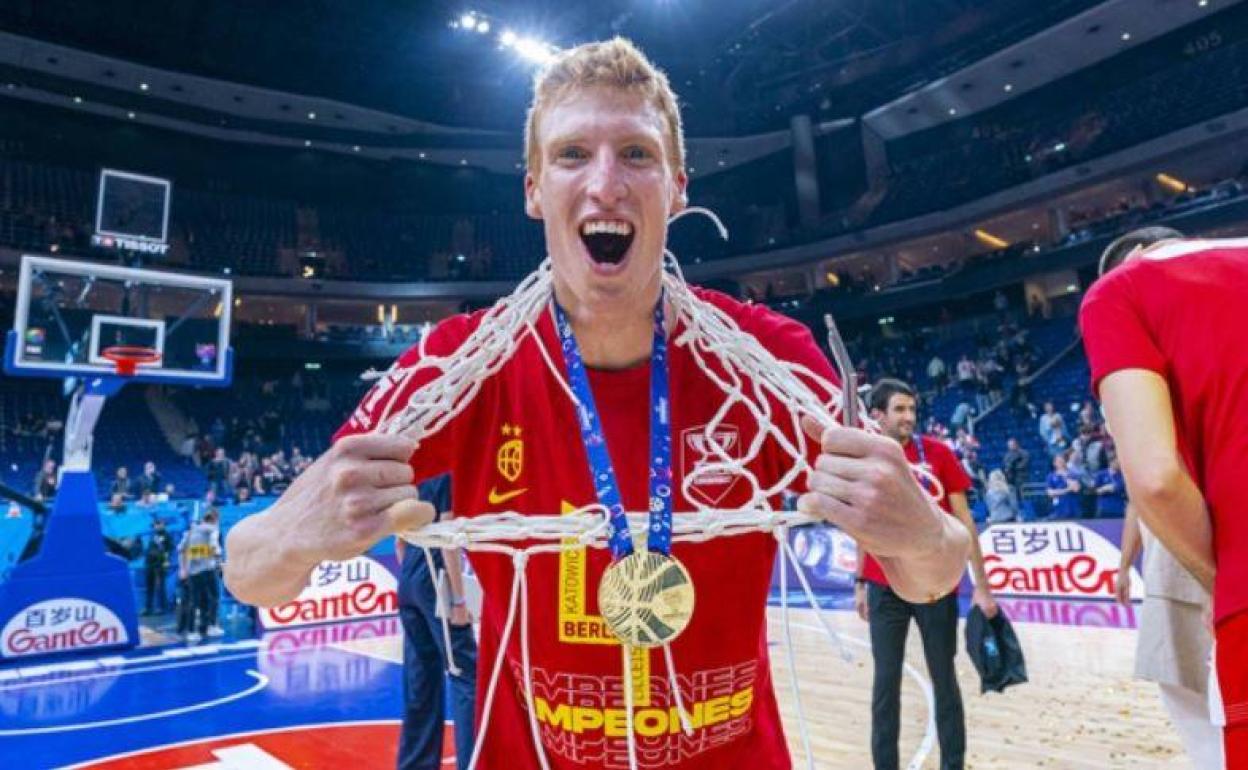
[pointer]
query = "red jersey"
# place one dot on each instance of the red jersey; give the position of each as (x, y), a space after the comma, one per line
(944, 465)
(1179, 312)
(517, 447)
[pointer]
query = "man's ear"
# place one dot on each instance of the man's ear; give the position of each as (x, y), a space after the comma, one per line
(680, 193)
(532, 197)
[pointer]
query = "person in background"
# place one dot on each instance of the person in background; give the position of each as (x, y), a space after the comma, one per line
(121, 484)
(156, 558)
(1173, 643)
(199, 558)
(150, 481)
(1063, 492)
(1000, 499)
(218, 472)
(1015, 463)
(428, 667)
(894, 406)
(1111, 492)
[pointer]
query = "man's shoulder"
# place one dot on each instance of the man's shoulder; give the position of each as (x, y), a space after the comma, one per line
(777, 332)
(445, 337)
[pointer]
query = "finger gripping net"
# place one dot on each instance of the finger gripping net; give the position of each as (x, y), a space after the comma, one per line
(776, 395)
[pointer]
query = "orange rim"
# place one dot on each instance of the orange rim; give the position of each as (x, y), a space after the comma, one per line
(128, 357)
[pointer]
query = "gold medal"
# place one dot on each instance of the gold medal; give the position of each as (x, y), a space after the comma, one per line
(646, 599)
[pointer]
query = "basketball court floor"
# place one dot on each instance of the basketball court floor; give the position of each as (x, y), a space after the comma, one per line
(329, 696)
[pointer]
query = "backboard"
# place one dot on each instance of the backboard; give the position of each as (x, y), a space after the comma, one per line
(70, 313)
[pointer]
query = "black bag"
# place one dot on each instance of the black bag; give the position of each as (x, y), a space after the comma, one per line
(995, 651)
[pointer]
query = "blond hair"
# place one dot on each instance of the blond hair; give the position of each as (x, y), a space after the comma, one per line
(612, 64)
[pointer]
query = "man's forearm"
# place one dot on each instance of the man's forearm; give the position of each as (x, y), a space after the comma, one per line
(963, 511)
(260, 571)
(454, 571)
(1174, 511)
(926, 577)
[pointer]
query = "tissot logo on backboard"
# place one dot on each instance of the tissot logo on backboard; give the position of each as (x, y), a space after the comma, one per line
(58, 625)
(1052, 559)
(338, 590)
(697, 452)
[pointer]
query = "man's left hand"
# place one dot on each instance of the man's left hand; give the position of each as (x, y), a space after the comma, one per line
(862, 483)
(983, 599)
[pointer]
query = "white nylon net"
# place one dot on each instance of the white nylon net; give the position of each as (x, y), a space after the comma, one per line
(747, 374)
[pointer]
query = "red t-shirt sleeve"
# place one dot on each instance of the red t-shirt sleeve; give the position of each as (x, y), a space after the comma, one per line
(1116, 335)
(953, 477)
(792, 341)
(433, 455)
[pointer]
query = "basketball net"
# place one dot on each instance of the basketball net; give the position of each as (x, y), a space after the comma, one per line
(749, 377)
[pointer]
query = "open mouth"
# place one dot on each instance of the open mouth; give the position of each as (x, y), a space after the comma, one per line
(607, 241)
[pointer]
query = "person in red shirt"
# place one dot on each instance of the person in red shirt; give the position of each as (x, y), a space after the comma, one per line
(895, 407)
(605, 173)
(1160, 327)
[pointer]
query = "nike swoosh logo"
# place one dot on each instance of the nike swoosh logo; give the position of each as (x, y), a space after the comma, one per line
(496, 499)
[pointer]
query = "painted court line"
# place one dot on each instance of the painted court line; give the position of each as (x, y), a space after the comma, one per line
(262, 681)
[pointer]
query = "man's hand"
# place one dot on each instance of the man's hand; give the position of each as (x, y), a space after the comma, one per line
(863, 484)
(983, 599)
(1122, 586)
(355, 494)
(460, 615)
(860, 602)
(358, 492)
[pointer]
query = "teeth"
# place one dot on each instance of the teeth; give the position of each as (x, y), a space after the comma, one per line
(596, 226)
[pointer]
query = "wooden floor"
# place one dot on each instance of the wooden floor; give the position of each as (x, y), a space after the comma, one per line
(1081, 708)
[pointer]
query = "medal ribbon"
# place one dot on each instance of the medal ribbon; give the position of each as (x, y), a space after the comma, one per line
(606, 485)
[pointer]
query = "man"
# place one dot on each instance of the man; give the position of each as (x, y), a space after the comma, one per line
(150, 481)
(1160, 327)
(893, 404)
(1015, 463)
(156, 558)
(199, 557)
(46, 481)
(1172, 646)
(1111, 492)
(605, 173)
(426, 665)
(121, 484)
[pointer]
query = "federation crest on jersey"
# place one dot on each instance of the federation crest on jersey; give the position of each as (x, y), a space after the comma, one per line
(699, 453)
(510, 458)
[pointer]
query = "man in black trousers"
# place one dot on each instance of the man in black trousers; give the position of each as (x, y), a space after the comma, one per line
(895, 407)
(426, 666)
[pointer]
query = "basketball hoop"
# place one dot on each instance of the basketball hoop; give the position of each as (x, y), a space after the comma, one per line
(128, 357)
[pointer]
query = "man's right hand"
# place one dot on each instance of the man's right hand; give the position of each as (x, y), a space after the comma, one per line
(355, 494)
(358, 492)
(860, 601)
(1122, 586)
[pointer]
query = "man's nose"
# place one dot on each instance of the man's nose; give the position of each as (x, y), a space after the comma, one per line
(607, 186)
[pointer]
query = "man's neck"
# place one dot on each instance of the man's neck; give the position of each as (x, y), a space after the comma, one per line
(612, 335)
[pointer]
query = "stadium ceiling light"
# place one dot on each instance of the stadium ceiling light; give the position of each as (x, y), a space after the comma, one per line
(1126, 36)
(483, 27)
(143, 86)
(1203, 3)
(1009, 87)
(508, 38)
(311, 116)
(422, 156)
(534, 50)
(77, 100)
(988, 239)
(130, 115)
(953, 110)
(307, 142)
(468, 20)
(355, 148)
